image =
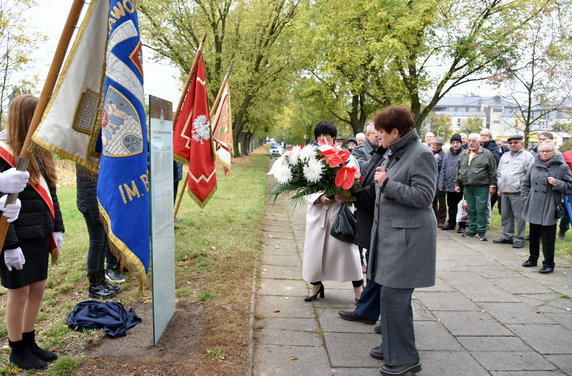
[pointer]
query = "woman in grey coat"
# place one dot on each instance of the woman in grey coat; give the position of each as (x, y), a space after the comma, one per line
(542, 191)
(404, 235)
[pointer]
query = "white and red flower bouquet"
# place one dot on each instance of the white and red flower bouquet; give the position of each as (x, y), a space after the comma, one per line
(304, 170)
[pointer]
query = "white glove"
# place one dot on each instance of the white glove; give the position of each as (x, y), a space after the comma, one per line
(12, 210)
(13, 181)
(59, 239)
(14, 258)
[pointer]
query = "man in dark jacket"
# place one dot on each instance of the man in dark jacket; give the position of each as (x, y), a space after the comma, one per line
(439, 206)
(446, 182)
(367, 307)
(364, 151)
(488, 142)
(477, 173)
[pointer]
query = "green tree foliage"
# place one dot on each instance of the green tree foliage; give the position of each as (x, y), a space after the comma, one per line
(544, 63)
(440, 45)
(16, 44)
(473, 125)
(348, 59)
(253, 35)
(440, 125)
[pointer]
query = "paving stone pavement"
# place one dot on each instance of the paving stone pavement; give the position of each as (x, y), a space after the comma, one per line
(486, 315)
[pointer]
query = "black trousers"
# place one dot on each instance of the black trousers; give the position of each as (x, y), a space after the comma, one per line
(546, 234)
(97, 244)
(453, 199)
(398, 343)
(439, 209)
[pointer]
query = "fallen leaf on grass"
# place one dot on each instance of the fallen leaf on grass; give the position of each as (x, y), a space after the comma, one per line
(276, 311)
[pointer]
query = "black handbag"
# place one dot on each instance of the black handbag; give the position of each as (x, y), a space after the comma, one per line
(344, 226)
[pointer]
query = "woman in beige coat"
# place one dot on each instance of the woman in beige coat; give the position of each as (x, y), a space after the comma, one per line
(327, 258)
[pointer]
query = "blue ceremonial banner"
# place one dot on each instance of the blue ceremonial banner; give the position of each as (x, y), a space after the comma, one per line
(123, 184)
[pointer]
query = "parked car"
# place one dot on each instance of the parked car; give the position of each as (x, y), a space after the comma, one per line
(275, 150)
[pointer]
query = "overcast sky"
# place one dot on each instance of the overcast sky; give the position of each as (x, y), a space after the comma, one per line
(49, 16)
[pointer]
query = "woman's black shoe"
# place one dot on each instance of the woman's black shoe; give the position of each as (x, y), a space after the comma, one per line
(314, 297)
(22, 356)
(45, 355)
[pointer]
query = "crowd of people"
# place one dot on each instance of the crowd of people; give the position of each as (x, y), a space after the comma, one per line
(408, 190)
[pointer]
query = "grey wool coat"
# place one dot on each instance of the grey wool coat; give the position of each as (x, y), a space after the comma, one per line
(404, 233)
(540, 197)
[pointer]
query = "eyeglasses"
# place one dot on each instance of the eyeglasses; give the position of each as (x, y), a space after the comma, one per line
(546, 151)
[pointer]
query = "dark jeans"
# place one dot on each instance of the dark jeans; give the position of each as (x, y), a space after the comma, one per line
(112, 261)
(97, 244)
(546, 234)
(440, 209)
(453, 199)
(368, 304)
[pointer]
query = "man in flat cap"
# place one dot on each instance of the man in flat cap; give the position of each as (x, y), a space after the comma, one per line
(513, 167)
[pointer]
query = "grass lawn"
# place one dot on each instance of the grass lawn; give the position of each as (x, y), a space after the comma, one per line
(563, 247)
(216, 251)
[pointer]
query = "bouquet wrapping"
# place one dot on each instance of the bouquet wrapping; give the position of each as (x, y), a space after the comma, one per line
(304, 170)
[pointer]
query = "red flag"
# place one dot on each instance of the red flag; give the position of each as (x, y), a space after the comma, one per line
(192, 139)
(222, 129)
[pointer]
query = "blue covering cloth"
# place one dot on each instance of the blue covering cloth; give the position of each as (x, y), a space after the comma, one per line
(110, 316)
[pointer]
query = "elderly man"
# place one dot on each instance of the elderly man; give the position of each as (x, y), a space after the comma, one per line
(364, 151)
(512, 170)
(464, 141)
(429, 137)
(360, 137)
(489, 143)
(477, 173)
(544, 136)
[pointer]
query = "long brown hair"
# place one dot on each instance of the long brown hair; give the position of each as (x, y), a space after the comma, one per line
(20, 113)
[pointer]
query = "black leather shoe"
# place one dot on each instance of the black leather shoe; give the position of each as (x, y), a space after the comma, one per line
(529, 263)
(546, 270)
(353, 316)
(386, 370)
(517, 244)
(469, 234)
(377, 329)
(460, 230)
(376, 353)
(448, 227)
(502, 241)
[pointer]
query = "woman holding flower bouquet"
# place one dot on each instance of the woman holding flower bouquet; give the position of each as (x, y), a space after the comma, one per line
(404, 235)
(326, 258)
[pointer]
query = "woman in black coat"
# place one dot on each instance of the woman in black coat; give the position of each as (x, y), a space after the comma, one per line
(37, 231)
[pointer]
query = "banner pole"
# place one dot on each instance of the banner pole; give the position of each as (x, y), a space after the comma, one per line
(188, 82)
(180, 198)
(45, 95)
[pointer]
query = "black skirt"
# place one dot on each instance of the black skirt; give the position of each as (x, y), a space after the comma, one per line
(36, 252)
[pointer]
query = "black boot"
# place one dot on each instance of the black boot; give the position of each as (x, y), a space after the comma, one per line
(115, 288)
(46, 356)
(22, 356)
(97, 287)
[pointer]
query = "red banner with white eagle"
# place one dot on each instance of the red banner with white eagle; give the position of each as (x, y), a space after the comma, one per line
(192, 138)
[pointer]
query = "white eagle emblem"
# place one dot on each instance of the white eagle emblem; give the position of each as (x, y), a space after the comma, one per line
(201, 129)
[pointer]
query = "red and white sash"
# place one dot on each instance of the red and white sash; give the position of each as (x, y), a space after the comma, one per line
(41, 188)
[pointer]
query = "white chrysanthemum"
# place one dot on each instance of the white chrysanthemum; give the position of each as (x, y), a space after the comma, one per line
(283, 175)
(293, 155)
(313, 171)
(307, 152)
